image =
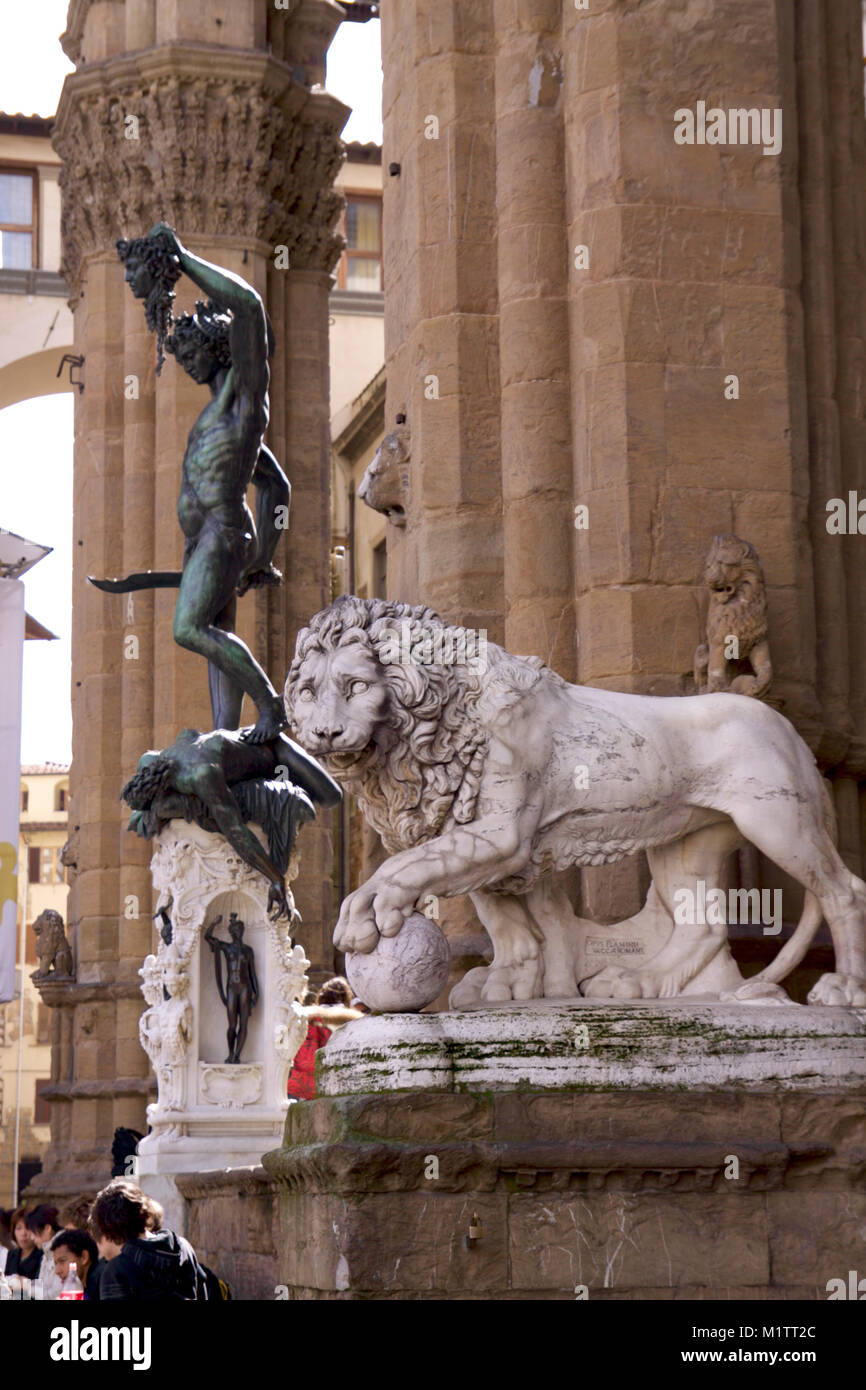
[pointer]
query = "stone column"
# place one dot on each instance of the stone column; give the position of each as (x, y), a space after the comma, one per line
(537, 512)
(204, 116)
(441, 327)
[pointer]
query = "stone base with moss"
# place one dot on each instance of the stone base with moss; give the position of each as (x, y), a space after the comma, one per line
(688, 1151)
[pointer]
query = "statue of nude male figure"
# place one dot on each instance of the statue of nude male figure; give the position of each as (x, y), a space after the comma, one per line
(225, 345)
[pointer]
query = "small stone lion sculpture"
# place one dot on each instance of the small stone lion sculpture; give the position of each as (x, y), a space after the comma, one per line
(52, 948)
(736, 654)
(485, 781)
(385, 484)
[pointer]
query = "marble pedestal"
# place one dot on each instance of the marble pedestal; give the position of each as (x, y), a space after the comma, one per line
(588, 1045)
(211, 1114)
(643, 1151)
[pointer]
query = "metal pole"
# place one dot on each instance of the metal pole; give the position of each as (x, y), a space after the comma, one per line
(22, 951)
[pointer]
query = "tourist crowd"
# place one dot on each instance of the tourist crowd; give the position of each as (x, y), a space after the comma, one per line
(117, 1247)
(123, 1252)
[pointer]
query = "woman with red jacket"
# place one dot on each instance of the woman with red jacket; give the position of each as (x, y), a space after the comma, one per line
(331, 1010)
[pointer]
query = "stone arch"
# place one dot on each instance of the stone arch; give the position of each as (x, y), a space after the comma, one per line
(34, 375)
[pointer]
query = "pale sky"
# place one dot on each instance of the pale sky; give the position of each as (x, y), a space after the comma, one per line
(36, 435)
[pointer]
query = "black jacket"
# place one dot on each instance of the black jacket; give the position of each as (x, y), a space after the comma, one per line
(154, 1267)
(92, 1282)
(26, 1265)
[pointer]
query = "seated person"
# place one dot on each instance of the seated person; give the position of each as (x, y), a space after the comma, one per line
(42, 1222)
(79, 1248)
(26, 1257)
(143, 1263)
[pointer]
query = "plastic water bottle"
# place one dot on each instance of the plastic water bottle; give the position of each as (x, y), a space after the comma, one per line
(72, 1286)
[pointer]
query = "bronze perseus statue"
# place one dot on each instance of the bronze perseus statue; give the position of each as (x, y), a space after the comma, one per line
(240, 993)
(224, 345)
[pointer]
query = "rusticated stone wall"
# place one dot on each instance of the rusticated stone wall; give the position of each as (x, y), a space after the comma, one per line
(211, 117)
(597, 1195)
(234, 1227)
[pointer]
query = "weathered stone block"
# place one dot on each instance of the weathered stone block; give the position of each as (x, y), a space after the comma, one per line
(556, 1242)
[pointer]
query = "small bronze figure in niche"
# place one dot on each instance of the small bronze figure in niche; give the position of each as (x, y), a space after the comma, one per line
(240, 993)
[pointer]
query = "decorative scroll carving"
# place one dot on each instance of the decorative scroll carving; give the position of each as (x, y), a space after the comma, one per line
(191, 867)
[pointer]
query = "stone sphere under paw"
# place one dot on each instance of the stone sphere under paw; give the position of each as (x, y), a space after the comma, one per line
(403, 972)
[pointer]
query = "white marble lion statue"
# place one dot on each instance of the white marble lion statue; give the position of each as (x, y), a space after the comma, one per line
(487, 776)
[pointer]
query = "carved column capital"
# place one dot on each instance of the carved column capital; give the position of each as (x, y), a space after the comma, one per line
(225, 144)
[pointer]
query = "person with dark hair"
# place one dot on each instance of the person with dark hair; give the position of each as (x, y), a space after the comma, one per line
(335, 991)
(26, 1257)
(79, 1248)
(75, 1214)
(333, 1008)
(152, 1265)
(42, 1222)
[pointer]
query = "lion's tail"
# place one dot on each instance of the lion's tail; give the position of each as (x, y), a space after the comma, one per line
(811, 917)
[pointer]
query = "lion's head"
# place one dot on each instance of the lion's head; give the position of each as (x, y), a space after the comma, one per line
(730, 563)
(48, 929)
(385, 484)
(393, 726)
(738, 601)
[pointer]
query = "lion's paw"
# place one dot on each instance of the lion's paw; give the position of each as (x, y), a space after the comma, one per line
(519, 981)
(468, 990)
(614, 982)
(756, 992)
(356, 928)
(838, 990)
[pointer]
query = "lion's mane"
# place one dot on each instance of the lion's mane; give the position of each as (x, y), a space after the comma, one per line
(424, 768)
(50, 930)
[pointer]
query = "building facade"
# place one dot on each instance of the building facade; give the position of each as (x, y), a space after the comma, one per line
(25, 1023)
(35, 320)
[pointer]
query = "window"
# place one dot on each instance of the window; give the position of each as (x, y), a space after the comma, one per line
(25, 799)
(17, 219)
(44, 865)
(61, 799)
(361, 266)
(42, 1108)
(380, 570)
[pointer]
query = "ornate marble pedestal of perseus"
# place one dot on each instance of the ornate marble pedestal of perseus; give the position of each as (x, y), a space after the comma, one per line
(212, 1113)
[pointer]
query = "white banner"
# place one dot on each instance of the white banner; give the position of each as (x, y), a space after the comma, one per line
(11, 665)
